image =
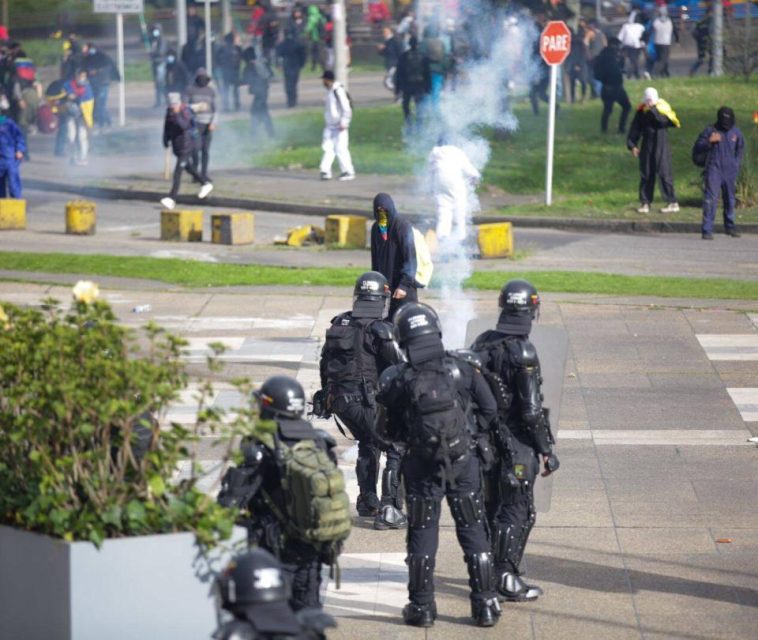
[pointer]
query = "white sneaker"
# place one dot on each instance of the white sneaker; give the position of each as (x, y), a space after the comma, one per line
(344, 177)
(644, 208)
(205, 190)
(168, 202)
(671, 207)
(326, 176)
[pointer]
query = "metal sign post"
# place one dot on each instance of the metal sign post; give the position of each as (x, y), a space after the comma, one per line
(208, 43)
(555, 46)
(119, 7)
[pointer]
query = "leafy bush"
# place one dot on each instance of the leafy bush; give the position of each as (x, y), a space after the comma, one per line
(81, 457)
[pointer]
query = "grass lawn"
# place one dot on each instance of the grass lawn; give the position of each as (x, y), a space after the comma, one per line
(202, 274)
(595, 176)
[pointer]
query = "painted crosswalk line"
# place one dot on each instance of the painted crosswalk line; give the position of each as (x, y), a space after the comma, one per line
(746, 400)
(737, 347)
(657, 438)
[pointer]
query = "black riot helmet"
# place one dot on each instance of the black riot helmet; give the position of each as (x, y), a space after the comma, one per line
(519, 303)
(370, 295)
(414, 320)
(253, 588)
(281, 397)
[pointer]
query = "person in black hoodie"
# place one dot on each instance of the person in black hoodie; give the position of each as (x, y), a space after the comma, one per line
(609, 69)
(393, 252)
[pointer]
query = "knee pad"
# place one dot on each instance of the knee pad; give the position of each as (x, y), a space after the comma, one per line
(422, 512)
(467, 509)
(420, 572)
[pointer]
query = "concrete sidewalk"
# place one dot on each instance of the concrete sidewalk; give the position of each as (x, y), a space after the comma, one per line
(652, 530)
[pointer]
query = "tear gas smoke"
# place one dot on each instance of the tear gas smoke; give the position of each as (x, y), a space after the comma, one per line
(500, 58)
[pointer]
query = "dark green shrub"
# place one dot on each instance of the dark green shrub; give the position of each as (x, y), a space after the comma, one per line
(73, 387)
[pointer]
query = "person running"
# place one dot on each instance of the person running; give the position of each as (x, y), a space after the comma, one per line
(180, 131)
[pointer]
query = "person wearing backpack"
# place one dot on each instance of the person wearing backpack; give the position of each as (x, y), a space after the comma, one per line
(289, 489)
(257, 76)
(719, 149)
(338, 112)
(433, 51)
(412, 83)
(508, 354)
(359, 345)
(393, 252)
(426, 411)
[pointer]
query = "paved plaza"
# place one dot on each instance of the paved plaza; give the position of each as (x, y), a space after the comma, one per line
(652, 526)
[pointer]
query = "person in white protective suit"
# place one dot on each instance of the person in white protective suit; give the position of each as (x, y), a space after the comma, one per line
(337, 115)
(453, 179)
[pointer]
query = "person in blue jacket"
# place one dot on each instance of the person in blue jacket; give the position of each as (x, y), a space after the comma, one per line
(393, 252)
(724, 145)
(12, 148)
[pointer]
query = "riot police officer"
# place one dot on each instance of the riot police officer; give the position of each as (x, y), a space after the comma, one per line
(286, 506)
(508, 354)
(359, 346)
(425, 410)
(253, 589)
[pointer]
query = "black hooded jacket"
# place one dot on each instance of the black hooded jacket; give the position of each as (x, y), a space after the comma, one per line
(395, 257)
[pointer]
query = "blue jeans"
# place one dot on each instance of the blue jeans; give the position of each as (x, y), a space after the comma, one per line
(10, 180)
(101, 116)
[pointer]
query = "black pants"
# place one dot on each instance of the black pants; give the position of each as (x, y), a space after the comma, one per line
(183, 163)
(303, 571)
(610, 95)
(202, 156)
(291, 78)
(395, 303)
(577, 73)
(360, 420)
(538, 91)
(632, 55)
(510, 511)
(662, 52)
(650, 168)
(425, 487)
(412, 118)
(230, 86)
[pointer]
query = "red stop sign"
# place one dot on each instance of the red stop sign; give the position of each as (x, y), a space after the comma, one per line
(555, 42)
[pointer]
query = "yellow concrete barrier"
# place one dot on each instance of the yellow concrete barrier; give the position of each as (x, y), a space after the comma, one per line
(232, 228)
(12, 213)
(80, 218)
(183, 226)
(495, 240)
(346, 231)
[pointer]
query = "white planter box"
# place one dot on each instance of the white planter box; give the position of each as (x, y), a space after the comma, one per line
(147, 588)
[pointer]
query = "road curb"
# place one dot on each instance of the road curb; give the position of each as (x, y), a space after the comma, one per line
(524, 222)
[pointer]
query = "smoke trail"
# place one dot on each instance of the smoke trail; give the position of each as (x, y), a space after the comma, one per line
(500, 58)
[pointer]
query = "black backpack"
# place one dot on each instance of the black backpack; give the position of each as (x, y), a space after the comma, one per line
(436, 423)
(414, 69)
(699, 157)
(347, 361)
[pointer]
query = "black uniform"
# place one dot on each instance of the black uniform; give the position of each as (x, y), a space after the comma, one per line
(648, 133)
(427, 480)
(413, 82)
(609, 69)
(356, 351)
(257, 486)
(257, 76)
(510, 355)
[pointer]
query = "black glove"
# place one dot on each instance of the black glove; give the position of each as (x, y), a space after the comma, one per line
(319, 405)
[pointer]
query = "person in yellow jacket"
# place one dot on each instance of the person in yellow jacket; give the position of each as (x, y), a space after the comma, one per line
(648, 141)
(78, 115)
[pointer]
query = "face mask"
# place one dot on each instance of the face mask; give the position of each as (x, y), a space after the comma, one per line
(382, 219)
(156, 33)
(725, 119)
(202, 81)
(171, 59)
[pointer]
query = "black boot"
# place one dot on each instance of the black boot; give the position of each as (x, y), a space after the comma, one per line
(512, 587)
(390, 517)
(367, 505)
(420, 615)
(485, 613)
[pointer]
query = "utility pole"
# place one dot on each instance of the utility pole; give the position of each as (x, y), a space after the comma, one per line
(718, 38)
(6, 19)
(181, 24)
(226, 17)
(339, 16)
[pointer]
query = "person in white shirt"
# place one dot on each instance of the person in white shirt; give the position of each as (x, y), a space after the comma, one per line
(631, 40)
(453, 179)
(663, 36)
(337, 115)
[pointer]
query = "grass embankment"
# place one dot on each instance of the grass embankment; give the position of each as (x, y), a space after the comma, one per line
(202, 274)
(595, 176)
